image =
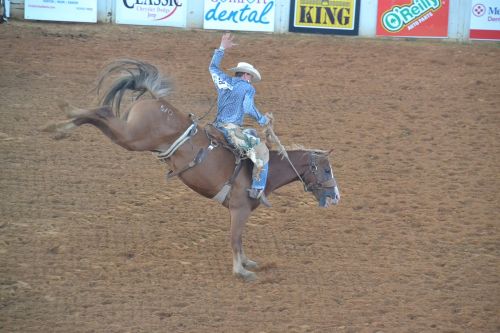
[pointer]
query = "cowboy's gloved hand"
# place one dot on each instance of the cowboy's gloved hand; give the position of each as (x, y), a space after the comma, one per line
(270, 117)
(269, 133)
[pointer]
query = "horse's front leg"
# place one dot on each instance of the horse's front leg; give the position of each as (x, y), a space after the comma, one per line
(239, 217)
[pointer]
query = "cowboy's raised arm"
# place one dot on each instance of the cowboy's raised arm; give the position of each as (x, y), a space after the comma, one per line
(214, 67)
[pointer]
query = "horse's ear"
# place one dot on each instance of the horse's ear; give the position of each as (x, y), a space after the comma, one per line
(329, 152)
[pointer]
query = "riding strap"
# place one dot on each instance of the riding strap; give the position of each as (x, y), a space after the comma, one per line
(222, 195)
(202, 154)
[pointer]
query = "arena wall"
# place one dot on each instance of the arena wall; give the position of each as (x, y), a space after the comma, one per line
(458, 26)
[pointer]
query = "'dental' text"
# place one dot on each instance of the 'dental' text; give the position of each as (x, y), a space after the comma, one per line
(250, 11)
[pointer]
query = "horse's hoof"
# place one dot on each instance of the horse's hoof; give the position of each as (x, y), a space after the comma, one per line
(247, 276)
(250, 264)
(70, 110)
(58, 127)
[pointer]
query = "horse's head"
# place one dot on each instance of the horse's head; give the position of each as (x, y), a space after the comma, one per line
(319, 179)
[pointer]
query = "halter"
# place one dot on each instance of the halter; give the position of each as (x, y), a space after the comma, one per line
(313, 167)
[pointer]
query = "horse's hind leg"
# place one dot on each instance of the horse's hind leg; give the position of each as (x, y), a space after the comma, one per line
(239, 217)
(73, 112)
(77, 117)
(128, 135)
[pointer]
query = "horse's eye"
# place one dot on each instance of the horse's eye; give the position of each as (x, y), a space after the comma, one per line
(328, 171)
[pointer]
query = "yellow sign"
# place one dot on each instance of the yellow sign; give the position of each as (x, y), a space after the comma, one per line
(325, 14)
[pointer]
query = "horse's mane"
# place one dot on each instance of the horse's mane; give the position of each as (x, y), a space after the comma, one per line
(133, 75)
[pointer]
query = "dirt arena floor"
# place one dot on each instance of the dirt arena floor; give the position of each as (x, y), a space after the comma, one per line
(92, 239)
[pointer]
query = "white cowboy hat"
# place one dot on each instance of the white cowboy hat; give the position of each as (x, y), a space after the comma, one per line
(247, 68)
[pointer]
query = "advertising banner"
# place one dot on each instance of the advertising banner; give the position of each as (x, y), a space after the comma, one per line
(485, 19)
(61, 10)
(339, 17)
(413, 18)
(172, 13)
(245, 15)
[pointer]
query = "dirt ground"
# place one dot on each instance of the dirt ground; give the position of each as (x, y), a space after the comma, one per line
(92, 239)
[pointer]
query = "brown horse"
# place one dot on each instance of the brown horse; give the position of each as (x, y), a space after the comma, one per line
(198, 158)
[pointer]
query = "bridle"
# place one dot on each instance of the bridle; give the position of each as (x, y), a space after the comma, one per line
(313, 168)
(317, 184)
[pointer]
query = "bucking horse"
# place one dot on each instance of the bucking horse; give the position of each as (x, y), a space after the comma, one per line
(198, 155)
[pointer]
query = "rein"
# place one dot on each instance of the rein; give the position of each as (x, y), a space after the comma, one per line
(282, 151)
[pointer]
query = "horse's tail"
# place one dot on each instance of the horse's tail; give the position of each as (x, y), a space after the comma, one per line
(136, 76)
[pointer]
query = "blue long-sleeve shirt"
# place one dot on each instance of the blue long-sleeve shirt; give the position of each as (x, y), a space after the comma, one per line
(235, 95)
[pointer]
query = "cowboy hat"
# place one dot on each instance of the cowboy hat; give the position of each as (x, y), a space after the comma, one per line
(245, 67)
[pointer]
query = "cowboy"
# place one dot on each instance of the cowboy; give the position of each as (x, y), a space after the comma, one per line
(235, 100)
